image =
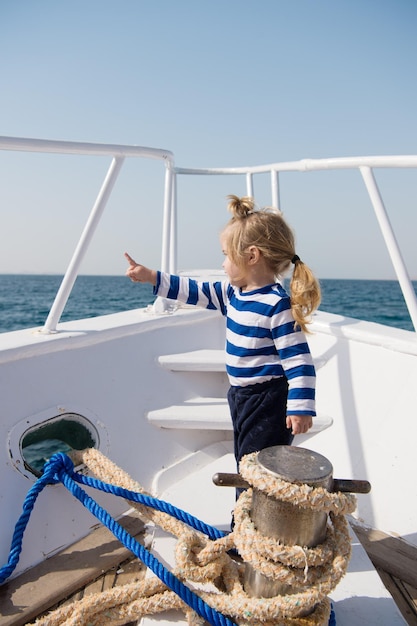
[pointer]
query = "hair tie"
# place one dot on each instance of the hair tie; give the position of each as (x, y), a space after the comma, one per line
(295, 259)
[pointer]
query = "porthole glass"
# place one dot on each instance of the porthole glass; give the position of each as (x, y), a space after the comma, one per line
(63, 433)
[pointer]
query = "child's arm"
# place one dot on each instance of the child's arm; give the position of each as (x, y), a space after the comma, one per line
(187, 290)
(139, 273)
(299, 423)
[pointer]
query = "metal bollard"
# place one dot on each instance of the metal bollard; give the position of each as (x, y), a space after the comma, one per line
(291, 524)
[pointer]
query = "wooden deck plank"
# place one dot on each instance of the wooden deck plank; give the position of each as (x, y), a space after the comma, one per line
(412, 591)
(74, 598)
(401, 595)
(109, 578)
(96, 586)
(391, 554)
(395, 561)
(128, 572)
(34, 592)
(131, 570)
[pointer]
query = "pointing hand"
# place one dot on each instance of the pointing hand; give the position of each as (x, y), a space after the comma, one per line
(139, 273)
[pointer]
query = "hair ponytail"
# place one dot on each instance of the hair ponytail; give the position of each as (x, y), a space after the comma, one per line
(305, 294)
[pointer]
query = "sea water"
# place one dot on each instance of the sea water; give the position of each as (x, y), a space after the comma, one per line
(25, 300)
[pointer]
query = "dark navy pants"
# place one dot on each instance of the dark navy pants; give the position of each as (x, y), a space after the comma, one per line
(259, 415)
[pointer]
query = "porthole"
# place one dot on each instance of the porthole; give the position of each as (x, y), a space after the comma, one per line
(33, 441)
(62, 434)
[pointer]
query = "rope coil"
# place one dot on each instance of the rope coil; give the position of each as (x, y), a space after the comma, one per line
(199, 558)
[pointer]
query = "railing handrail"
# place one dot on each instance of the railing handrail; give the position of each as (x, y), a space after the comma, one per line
(118, 152)
(53, 146)
(309, 165)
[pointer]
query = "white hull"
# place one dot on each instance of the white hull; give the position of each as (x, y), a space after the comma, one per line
(108, 371)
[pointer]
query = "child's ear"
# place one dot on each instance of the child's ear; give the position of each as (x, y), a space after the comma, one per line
(254, 255)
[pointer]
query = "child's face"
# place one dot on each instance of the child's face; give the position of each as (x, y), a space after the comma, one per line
(236, 275)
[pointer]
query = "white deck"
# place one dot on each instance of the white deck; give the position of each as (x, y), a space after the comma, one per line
(359, 599)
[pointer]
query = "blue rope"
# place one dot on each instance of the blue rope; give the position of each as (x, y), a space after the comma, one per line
(16, 545)
(60, 468)
(149, 501)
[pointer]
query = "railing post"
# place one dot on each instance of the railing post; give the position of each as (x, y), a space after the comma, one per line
(275, 189)
(166, 222)
(391, 242)
(79, 253)
(249, 185)
(173, 257)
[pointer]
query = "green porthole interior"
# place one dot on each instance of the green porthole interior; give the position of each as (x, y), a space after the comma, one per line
(62, 434)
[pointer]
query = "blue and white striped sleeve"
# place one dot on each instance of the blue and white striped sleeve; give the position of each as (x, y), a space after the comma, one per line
(297, 362)
(205, 295)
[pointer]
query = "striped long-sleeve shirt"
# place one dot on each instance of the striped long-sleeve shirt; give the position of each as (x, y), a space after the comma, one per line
(261, 341)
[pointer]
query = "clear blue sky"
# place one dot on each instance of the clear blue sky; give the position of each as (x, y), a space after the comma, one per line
(220, 83)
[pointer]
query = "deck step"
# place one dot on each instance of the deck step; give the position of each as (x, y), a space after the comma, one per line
(199, 413)
(195, 361)
(209, 414)
(204, 361)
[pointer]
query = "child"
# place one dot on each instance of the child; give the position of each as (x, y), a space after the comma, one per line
(268, 361)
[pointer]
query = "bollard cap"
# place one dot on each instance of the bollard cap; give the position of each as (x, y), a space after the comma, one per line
(296, 465)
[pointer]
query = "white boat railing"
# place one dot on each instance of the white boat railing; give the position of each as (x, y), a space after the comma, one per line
(119, 153)
(365, 166)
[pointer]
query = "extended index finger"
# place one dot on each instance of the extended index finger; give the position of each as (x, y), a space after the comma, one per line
(131, 261)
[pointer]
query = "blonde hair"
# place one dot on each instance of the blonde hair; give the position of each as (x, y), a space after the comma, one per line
(269, 232)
